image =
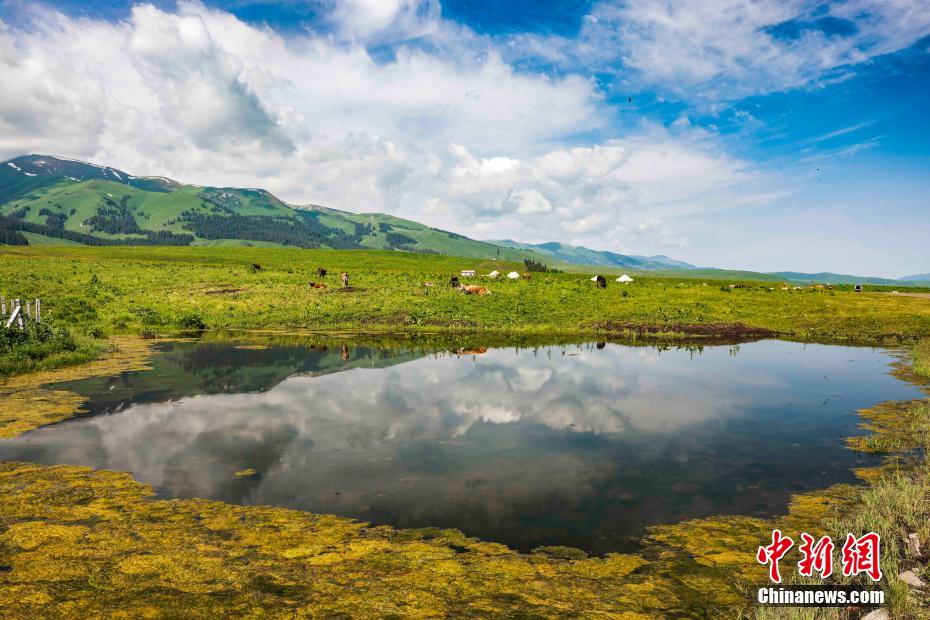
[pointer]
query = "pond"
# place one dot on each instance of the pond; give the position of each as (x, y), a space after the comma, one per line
(580, 445)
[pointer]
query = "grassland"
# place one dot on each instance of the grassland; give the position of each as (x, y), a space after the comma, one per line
(79, 543)
(127, 290)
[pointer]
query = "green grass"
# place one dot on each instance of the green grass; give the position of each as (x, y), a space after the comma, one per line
(896, 503)
(127, 289)
(37, 239)
(43, 347)
(921, 358)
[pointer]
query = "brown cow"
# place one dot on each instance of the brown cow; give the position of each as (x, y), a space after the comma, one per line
(472, 289)
(320, 272)
(601, 282)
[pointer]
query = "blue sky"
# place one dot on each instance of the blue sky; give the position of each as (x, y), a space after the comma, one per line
(760, 134)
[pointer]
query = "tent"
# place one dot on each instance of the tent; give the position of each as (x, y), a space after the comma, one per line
(594, 279)
(494, 274)
(513, 275)
(625, 279)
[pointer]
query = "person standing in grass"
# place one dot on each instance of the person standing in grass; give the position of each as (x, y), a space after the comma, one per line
(345, 279)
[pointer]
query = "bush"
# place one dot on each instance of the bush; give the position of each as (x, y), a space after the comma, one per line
(21, 349)
(192, 320)
(147, 316)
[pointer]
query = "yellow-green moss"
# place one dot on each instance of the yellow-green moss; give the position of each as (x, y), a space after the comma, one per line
(83, 543)
(80, 543)
(27, 402)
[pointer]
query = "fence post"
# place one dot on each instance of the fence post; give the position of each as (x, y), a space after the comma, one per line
(28, 309)
(2, 307)
(19, 318)
(38, 310)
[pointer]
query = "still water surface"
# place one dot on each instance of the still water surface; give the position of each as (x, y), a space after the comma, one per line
(580, 445)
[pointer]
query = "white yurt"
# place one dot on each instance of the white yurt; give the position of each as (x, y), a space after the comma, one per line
(494, 274)
(594, 279)
(625, 279)
(513, 275)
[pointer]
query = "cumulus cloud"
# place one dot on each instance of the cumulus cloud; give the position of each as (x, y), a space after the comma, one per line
(456, 138)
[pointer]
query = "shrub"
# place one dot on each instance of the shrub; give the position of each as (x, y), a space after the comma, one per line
(191, 320)
(23, 348)
(146, 315)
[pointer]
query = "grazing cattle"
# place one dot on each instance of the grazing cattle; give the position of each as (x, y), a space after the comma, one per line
(317, 285)
(345, 279)
(454, 281)
(255, 267)
(601, 282)
(471, 289)
(320, 272)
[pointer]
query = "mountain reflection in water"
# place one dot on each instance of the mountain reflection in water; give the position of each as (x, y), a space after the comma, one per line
(584, 445)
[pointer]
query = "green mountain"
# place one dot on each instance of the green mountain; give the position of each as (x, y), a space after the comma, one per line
(919, 277)
(54, 200)
(46, 199)
(580, 255)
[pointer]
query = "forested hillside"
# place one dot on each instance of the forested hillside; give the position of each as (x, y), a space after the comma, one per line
(45, 198)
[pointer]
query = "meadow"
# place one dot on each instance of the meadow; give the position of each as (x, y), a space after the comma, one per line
(158, 290)
(74, 535)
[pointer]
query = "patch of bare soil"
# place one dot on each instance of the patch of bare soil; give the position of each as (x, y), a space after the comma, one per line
(920, 295)
(223, 291)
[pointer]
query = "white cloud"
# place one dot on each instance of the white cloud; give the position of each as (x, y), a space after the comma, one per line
(728, 49)
(384, 20)
(529, 201)
(459, 140)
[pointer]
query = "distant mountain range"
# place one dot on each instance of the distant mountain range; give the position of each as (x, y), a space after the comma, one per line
(584, 256)
(55, 200)
(837, 278)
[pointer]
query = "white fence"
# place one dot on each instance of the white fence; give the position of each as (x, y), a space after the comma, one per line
(18, 313)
